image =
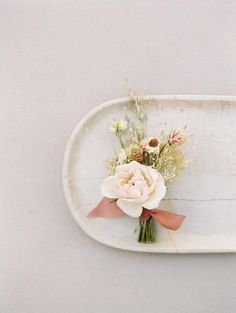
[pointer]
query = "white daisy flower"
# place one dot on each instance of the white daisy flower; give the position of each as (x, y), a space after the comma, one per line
(118, 126)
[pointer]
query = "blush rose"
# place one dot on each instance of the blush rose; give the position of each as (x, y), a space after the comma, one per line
(135, 186)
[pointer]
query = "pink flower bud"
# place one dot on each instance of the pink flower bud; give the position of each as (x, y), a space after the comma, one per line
(177, 137)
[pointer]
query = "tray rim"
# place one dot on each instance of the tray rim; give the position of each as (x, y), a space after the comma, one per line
(66, 185)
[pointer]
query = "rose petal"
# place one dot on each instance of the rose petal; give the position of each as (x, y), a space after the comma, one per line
(107, 187)
(137, 201)
(154, 199)
(154, 176)
(129, 208)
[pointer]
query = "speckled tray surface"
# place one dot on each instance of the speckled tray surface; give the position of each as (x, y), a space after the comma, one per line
(205, 192)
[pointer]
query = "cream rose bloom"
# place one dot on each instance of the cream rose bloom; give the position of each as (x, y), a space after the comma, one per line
(135, 186)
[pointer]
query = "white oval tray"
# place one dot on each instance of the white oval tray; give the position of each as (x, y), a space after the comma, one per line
(205, 192)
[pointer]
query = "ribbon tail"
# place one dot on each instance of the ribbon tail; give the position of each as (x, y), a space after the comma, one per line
(167, 219)
(106, 208)
(146, 214)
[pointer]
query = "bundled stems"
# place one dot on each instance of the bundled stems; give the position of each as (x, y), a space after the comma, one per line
(147, 231)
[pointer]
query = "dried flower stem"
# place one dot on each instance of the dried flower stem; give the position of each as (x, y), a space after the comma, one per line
(120, 140)
(162, 149)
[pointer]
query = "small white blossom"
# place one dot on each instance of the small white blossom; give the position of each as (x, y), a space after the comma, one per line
(122, 157)
(118, 126)
(151, 145)
(153, 149)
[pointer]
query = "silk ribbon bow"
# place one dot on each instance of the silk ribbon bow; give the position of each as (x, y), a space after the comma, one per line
(109, 208)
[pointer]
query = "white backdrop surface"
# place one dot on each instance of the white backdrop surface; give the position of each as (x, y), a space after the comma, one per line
(58, 60)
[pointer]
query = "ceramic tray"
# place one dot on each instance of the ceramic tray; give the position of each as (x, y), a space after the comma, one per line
(205, 192)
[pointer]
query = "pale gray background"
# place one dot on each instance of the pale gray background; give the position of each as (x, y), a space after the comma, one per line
(59, 59)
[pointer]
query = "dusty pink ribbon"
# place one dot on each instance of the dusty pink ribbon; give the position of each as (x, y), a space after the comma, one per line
(109, 208)
(167, 219)
(106, 208)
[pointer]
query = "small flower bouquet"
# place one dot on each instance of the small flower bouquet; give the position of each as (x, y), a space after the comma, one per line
(140, 172)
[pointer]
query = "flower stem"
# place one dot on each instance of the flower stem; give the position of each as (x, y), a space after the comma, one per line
(146, 232)
(120, 140)
(162, 149)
